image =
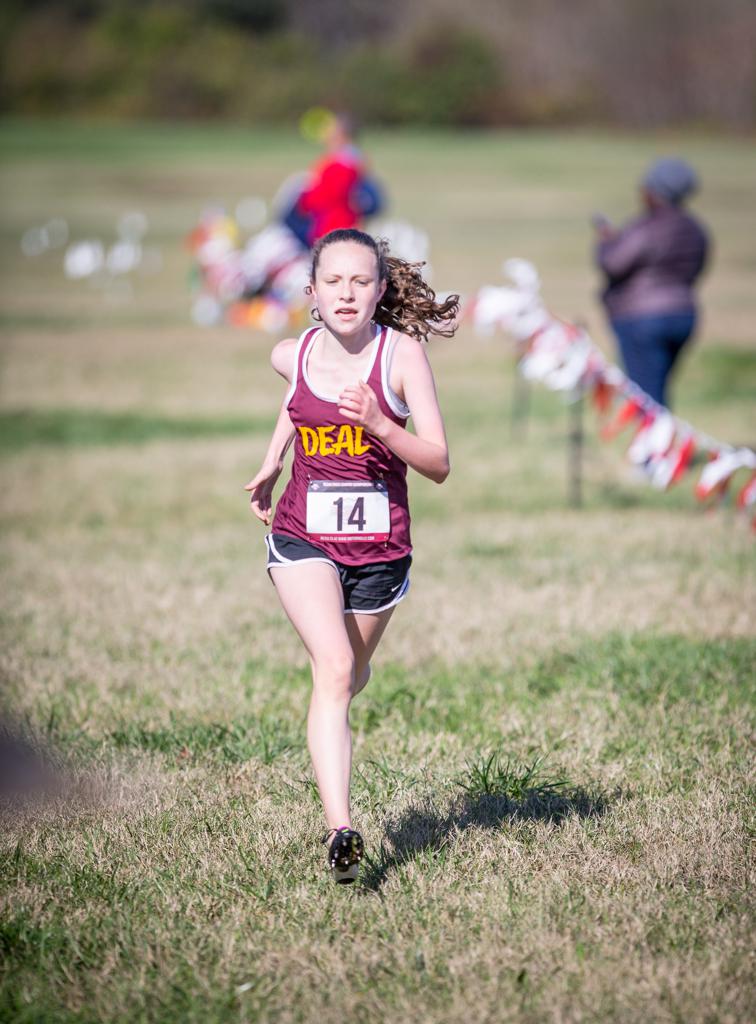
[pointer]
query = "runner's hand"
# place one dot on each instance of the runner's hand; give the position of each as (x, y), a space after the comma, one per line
(261, 487)
(358, 403)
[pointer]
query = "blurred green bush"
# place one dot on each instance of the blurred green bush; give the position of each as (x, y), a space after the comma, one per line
(400, 62)
(217, 59)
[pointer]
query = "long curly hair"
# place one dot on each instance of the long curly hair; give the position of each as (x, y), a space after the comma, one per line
(409, 303)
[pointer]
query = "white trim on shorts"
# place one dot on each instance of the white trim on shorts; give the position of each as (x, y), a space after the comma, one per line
(403, 590)
(285, 563)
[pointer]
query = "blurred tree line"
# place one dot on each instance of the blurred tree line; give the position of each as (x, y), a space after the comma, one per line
(636, 63)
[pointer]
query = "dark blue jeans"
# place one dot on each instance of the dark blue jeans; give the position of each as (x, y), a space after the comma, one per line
(650, 346)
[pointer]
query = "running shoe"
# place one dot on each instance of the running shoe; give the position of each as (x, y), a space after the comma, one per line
(344, 854)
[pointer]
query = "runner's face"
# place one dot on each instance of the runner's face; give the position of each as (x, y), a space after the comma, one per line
(347, 287)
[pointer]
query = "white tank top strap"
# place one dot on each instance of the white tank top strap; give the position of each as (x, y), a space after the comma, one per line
(394, 402)
(304, 337)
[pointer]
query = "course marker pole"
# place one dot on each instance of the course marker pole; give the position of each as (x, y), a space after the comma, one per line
(575, 451)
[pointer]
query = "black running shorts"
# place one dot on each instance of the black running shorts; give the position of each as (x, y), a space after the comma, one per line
(367, 589)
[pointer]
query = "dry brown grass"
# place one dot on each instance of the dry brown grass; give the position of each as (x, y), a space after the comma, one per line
(180, 877)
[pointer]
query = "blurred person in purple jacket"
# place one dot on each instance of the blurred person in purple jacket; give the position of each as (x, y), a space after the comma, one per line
(651, 265)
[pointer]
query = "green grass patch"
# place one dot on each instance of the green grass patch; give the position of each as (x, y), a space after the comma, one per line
(718, 371)
(72, 140)
(229, 743)
(104, 318)
(71, 428)
(496, 775)
(645, 669)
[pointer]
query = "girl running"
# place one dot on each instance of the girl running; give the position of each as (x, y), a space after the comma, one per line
(339, 550)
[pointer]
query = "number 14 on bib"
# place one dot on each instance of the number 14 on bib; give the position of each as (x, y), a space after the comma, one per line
(347, 511)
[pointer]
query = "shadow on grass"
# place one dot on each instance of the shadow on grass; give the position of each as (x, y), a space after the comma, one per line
(422, 828)
(27, 770)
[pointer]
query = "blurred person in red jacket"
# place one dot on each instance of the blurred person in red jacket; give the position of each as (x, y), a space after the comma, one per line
(338, 192)
(650, 266)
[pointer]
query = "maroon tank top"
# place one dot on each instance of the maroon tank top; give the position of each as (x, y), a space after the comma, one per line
(348, 491)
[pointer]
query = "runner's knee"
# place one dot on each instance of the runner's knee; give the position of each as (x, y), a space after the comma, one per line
(333, 672)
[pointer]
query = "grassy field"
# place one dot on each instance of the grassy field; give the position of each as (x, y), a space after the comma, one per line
(553, 760)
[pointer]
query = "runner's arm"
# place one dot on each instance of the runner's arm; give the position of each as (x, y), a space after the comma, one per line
(261, 485)
(283, 435)
(282, 360)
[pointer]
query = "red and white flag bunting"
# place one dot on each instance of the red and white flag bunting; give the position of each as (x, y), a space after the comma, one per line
(563, 357)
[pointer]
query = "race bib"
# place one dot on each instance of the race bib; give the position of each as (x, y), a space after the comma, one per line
(348, 510)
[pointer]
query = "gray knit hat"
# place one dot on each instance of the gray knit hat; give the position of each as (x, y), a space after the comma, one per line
(671, 179)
